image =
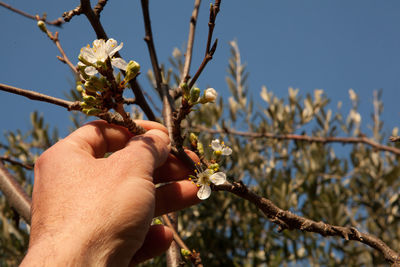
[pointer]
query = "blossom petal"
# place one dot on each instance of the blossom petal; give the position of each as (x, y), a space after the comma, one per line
(90, 71)
(226, 151)
(216, 145)
(218, 178)
(112, 48)
(119, 63)
(88, 54)
(204, 192)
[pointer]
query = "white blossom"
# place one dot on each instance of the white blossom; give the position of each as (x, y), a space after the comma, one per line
(210, 95)
(99, 52)
(220, 148)
(205, 178)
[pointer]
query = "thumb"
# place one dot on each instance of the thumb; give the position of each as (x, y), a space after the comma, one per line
(144, 153)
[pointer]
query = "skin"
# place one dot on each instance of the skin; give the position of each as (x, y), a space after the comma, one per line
(88, 210)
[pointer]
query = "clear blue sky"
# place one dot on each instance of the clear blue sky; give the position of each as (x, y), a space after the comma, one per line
(311, 44)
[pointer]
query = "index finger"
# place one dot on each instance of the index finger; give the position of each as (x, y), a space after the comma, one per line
(100, 137)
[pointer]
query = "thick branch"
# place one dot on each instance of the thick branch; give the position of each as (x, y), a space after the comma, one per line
(41, 97)
(287, 220)
(15, 194)
(58, 22)
(303, 138)
(99, 7)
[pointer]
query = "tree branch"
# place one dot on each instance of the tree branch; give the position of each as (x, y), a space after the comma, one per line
(210, 50)
(287, 220)
(303, 138)
(99, 7)
(194, 256)
(189, 49)
(58, 22)
(41, 97)
(68, 15)
(16, 162)
(15, 194)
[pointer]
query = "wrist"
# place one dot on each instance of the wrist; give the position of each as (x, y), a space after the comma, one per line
(62, 252)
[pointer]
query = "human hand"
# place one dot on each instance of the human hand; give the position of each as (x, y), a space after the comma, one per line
(88, 210)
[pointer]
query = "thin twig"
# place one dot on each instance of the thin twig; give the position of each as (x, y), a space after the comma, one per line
(63, 58)
(68, 15)
(58, 22)
(303, 138)
(101, 34)
(394, 139)
(15, 194)
(41, 97)
(194, 256)
(287, 220)
(16, 162)
(210, 50)
(189, 49)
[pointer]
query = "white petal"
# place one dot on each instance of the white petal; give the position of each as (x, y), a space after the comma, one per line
(226, 151)
(90, 71)
(112, 48)
(204, 192)
(218, 178)
(119, 63)
(88, 54)
(216, 146)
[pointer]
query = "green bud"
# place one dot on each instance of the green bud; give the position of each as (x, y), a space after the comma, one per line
(185, 252)
(194, 95)
(42, 26)
(157, 221)
(85, 105)
(200, 148)
(185, 90)
(89, 99)
(91, 111)
(79, 88)
(193, 137)
(132, 69)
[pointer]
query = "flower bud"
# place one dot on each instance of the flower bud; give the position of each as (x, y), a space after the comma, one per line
(185, 252)
(157, 221)
(193, 137)
(132, 69)
(79, 88)
(92, 111)
(194, 95)
(185, 90)
(42, 26)
(210, 95)
(89, 99)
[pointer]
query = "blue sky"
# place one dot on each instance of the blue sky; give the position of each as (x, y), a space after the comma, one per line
(311, 44)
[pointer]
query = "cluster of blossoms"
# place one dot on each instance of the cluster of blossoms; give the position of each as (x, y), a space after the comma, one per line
(203, 179)
(96, 68)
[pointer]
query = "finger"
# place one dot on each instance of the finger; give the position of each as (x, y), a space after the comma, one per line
(99, 137)
(174, 169)
(175, 196)
(158, 240)
(144, 153)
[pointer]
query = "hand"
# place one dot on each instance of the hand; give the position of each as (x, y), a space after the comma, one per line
(88, 210)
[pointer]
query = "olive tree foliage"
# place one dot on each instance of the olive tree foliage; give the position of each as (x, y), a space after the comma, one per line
(303, 153)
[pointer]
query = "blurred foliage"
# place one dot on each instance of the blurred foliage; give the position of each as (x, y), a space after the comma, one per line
(353, 185)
